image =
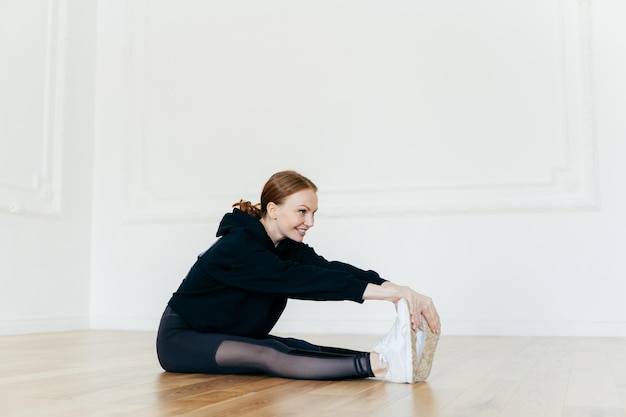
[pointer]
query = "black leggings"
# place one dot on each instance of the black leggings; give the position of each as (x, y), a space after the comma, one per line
(182, 349)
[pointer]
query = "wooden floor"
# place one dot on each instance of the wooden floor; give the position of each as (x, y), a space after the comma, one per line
(96, 373)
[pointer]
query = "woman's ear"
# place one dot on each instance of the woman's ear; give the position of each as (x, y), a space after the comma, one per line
(271, 210)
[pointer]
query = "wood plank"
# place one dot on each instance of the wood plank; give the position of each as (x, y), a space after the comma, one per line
(592, 382)
(543, 390)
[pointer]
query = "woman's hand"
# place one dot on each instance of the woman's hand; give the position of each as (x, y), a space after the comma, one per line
(419, 305)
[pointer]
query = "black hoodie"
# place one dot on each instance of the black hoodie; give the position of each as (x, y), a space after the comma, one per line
(241, 284)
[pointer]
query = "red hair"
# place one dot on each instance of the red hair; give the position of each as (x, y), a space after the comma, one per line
(280, 186)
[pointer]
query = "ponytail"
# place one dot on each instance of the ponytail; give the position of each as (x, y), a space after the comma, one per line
(249, 208)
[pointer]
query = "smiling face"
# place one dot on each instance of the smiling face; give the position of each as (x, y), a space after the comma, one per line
(292, 218)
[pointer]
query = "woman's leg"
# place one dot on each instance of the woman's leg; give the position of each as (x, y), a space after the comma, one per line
(304, 345)
(268, 356)
(181, 349)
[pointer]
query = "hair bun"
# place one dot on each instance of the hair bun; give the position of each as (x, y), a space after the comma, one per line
(249, 208)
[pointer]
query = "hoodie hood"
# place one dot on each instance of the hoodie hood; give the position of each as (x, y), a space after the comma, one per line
(238, 220)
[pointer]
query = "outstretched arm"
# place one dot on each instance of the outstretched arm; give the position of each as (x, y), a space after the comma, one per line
(418, 303)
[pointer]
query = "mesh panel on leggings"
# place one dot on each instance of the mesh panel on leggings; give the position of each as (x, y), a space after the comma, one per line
(280, 360)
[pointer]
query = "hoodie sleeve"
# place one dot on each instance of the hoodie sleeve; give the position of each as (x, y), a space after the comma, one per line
(241, 262)
(306, 255)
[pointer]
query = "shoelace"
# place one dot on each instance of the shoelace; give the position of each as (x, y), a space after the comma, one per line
(382, 362)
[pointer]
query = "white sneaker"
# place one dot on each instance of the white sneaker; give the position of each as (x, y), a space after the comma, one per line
(426, 343)
(397, 349)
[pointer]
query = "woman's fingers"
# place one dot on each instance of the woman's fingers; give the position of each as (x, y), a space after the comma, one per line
(421, 305)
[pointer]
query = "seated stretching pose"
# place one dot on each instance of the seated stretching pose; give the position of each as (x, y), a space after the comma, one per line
(220, 318)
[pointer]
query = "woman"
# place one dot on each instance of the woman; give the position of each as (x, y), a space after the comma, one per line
(219, 320)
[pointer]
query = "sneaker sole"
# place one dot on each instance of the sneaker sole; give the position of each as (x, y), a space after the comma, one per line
(415, 359)
(422, 366)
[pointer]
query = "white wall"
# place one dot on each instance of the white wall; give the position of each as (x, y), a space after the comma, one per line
(472, 150)
(46, 145)
(468, 149)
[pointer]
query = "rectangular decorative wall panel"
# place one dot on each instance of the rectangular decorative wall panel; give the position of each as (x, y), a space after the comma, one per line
(391, 108)
(32, 47)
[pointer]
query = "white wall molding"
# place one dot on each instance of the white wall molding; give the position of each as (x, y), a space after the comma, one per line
(39, 192)
(568, 184)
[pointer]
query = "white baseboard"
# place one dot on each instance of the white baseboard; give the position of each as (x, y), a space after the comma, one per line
(327, 326)
(461, 328)
(47, 325)
(536, 328)
(125, 323)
